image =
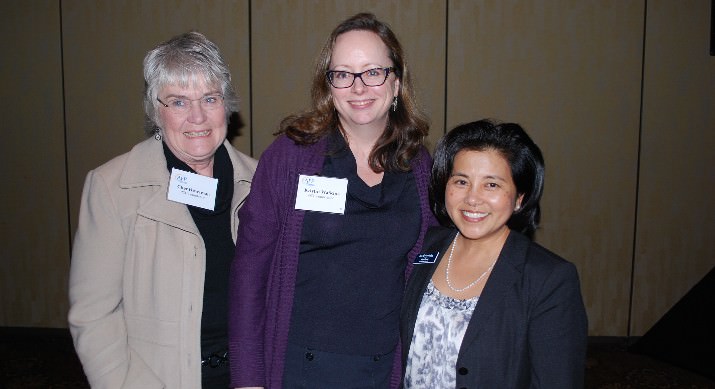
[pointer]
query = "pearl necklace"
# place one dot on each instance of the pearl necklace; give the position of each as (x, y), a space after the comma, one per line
(449, 263)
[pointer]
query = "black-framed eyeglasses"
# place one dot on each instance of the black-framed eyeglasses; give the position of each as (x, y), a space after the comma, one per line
(372, 77)
(181, 105)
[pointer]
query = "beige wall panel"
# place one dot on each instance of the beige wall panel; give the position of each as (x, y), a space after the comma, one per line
(569, 72)
(675, 247)
(104, 44)
(287, 37)
(33, 200)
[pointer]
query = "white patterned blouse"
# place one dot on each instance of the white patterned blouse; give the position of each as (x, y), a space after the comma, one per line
(439, 330)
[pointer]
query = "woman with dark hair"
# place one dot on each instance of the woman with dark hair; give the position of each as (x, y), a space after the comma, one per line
(337, 212)
(486, 307)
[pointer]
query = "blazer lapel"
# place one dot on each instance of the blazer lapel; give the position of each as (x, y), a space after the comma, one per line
(507, 271)
(436, 243)
(437, 240)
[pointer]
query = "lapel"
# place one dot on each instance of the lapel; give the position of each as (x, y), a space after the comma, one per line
(437, 241)
(146, 167)
(243, 169)
(306, 160)
(507, 272)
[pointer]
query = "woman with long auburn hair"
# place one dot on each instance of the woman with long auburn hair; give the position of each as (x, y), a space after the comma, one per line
(338, 211)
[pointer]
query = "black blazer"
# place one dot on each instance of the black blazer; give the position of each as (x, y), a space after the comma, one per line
(529, 328)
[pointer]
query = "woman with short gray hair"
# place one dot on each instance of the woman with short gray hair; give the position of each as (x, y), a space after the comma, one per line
(157, 232)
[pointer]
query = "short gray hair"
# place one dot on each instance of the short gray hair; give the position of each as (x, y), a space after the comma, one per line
(182, 60)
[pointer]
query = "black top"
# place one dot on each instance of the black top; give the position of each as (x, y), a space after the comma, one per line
(215, 229)
(351, 267)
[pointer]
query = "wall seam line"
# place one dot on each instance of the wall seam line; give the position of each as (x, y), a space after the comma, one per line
(250, 78)
(446, 65)
(629, 330)
(64, 133)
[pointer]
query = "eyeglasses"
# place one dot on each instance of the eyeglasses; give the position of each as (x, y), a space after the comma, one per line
(181, 105)
(372, 77)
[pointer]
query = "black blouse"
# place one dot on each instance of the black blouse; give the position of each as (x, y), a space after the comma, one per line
(215, 229)
(351, 267)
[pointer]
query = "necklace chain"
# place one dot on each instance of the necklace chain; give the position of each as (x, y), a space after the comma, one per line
(449, 264)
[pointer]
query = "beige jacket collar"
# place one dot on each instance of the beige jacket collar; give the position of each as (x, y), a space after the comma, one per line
(146, 166)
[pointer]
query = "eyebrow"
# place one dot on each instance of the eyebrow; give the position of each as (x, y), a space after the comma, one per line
(496, 178)
(492, 177)
(366, 68)
(172, 95)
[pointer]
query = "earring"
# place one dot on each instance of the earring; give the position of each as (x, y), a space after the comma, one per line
(157, 134)
(517, 208)
(394, 104)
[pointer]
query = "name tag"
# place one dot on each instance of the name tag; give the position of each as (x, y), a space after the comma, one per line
(426, 258)
(192, 189)
(321, 194)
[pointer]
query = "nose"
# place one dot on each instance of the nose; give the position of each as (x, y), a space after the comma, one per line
(196, 112)
(472, 197)
(358, 85)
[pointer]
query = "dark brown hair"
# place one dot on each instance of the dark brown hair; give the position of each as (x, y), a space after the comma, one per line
(407, 126)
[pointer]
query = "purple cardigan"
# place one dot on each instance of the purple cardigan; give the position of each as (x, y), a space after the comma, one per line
(263, 273)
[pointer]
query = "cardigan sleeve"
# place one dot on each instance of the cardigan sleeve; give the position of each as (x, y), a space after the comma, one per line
(96, 315)
(558, 331)
(255, 248)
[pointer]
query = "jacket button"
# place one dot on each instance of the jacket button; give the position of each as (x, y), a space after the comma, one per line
(309, 356)
(463, 370)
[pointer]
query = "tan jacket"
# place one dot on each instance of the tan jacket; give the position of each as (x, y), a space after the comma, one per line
(137, 273)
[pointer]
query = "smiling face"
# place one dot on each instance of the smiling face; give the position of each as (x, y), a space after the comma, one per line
(480, 195)
(195, 135)
(359, 106)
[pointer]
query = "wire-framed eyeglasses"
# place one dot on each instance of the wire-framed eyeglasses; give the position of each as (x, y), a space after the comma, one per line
(181, 105)
(372, 77)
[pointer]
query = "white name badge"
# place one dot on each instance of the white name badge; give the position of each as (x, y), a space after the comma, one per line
(321, 194)
(192, 189)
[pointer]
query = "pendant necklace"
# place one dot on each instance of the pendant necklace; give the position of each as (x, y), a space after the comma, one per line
(449, 263)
